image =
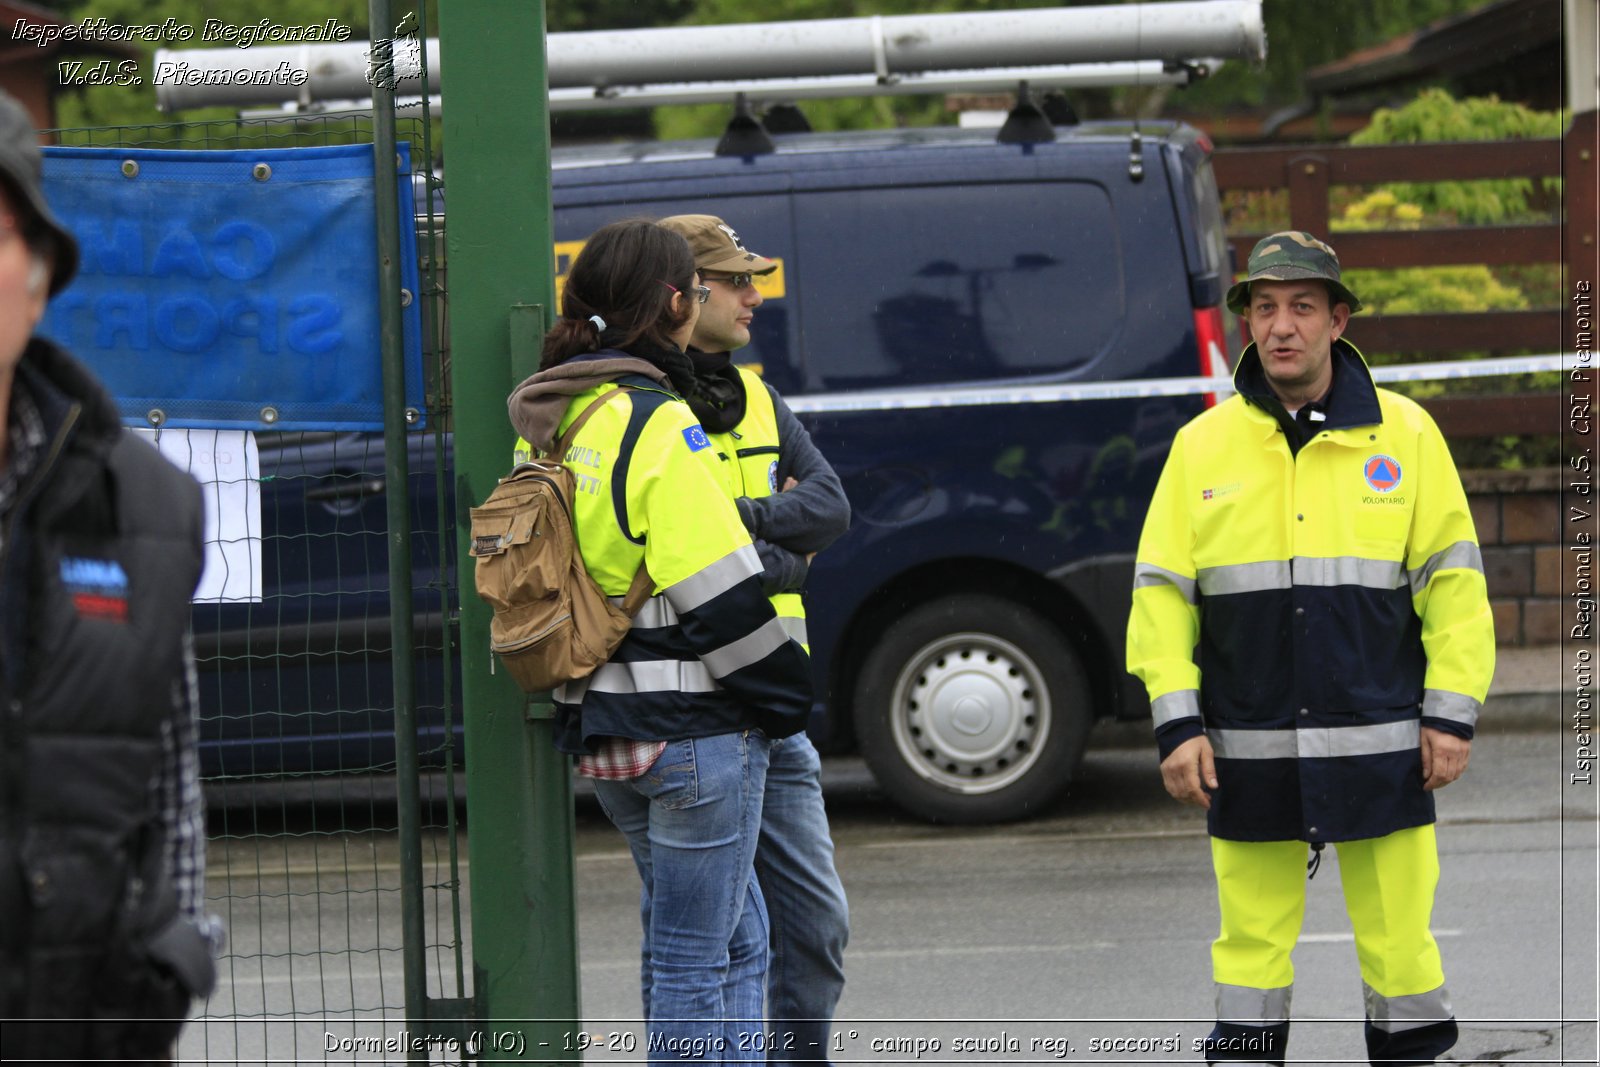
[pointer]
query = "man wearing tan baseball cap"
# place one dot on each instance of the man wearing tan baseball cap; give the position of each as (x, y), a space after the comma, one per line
(721, 258)
(794, 507)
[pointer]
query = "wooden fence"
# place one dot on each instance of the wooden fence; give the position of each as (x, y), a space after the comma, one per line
(1308, 171)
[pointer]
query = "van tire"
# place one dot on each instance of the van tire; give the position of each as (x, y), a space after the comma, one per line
(972, 709)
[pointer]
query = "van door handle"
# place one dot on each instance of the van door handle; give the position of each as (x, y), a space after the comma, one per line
(353, 489)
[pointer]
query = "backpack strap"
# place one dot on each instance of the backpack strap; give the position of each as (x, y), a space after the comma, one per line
(558, 450)
(642, 586)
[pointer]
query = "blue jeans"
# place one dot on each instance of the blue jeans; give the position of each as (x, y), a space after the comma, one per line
(691, 822)
(805, 904)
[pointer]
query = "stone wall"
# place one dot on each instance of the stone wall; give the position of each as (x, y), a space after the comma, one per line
(1518, 515)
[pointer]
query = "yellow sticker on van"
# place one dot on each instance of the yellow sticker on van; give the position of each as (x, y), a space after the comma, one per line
(771, 286)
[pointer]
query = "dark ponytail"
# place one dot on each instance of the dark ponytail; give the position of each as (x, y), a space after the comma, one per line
(621, 277)
(568, 338)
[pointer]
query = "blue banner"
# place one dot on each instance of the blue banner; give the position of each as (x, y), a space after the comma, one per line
(232, 289)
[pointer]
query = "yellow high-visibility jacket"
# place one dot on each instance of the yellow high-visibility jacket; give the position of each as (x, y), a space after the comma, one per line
(706, 654)
(1310, 610)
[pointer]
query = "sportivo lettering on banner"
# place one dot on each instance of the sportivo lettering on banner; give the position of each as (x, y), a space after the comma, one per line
(232, 289)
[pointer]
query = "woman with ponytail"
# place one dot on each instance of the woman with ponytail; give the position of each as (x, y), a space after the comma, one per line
(674, 728)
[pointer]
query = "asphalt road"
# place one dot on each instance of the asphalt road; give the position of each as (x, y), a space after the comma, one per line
(1080, 936)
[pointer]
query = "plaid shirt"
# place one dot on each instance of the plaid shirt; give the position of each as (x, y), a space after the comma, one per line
(176, 785)
(621, 757)
(27, 442)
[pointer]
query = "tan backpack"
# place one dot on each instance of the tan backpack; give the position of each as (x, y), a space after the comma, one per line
(551, 623)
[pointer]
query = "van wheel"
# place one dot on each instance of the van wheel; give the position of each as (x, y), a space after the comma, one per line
(972, 709)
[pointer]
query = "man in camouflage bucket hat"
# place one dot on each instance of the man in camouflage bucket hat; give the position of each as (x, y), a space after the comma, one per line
(1291, 255)
(1311, 623)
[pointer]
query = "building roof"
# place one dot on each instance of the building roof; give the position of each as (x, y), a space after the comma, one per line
(1496, 37)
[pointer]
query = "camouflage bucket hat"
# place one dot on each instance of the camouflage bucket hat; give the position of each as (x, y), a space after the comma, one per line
(1288, 256)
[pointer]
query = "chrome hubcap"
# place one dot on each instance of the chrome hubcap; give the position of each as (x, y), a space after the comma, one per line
(970, 713)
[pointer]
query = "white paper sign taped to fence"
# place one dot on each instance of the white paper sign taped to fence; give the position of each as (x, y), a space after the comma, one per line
(227, 465)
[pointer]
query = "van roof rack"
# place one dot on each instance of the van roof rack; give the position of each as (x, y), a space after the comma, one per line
(745, 136)
(1026, 124)
(1060, 47)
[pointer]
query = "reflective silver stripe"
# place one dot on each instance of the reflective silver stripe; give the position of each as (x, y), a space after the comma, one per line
(570, 692)
(1146, 575)
(1349, 570)
(1316, 743)
(718, 578)
(1462, 555)
(751, 648)
(1253, 744)
(1245, 1006)
(1360, 740)
(1457, 707)
(653, 676)
(1394, 1014)
(1244, 577)
(1178, 704)
(1302, 570)
(657, 612)
(795, 628)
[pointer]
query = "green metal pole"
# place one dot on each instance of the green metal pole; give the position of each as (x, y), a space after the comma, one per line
(498, 240)
(399, 512)
(398, 500)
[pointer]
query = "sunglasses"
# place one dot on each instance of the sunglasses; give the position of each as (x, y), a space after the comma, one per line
(735, 282)
(700, 292)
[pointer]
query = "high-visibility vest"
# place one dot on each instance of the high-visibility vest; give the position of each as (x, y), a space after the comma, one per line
(750, 453)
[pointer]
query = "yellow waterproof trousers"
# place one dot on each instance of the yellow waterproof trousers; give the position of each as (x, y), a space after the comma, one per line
(1389, 885)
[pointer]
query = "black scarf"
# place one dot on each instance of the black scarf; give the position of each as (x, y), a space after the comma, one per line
(669, 357)
(717, 399)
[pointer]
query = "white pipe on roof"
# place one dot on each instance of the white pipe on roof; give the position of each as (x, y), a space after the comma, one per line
(787, 90)
(784, 90)
(906, 44)
(878, 47)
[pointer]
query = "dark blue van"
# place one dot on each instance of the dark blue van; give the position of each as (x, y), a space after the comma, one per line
(947, 313)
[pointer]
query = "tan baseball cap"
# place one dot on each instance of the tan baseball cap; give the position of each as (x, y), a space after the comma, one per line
(716, 246)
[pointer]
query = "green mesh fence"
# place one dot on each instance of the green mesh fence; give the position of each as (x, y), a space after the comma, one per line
(297, 717)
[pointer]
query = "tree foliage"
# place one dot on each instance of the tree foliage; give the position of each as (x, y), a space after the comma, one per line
(1437, 116)
(1303, 35)
(1300, 35)
(566, 16)
(1463, 289)
(1420, 290)
(124, 105)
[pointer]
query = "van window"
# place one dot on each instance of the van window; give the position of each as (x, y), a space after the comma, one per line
(956, 283)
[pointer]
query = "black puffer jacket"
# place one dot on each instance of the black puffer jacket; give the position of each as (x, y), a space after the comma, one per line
(100, 555)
